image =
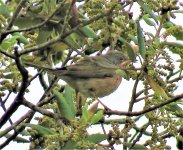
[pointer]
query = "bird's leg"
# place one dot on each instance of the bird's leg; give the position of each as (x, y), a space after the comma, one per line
(80, 101)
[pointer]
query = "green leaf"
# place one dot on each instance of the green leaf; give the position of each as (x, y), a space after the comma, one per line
(168, 24)
(130, 50)
(20, 38)
(178, 35)
(156, 87)
(88, 32)
(97, 117)
(91, 115)
(141, 43)
(69, 96)
(148, 21)
(133, 38)
(174, 30)
(18, 139)
(16, 37)
(122, 73)
(42, 130)
(5, 45)
(63, 106)
(44, 34)
(136, 146)
(96, 138)
(147, 9)
(85, 116)
(175, 109)
(27, 21)
(173, 44)
(4, 11)
(70, 145)
(72, 41)
(25, 133)
(178, 11)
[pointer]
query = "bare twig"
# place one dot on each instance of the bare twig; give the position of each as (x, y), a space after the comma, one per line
(144, 97)
(143, 129)
(141, 92)
(18, 130)
(12, 20)
(27, 117)
(130, 108)
(40, 110)
(175, 79)
(4, 108)
(15, 14)
(133, 98)
(115, 112)
(19, 98)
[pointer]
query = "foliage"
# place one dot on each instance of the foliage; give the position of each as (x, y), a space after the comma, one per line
(59, 33)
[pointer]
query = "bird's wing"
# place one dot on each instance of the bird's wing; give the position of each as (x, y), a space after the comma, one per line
(89, 68)
(86, 68)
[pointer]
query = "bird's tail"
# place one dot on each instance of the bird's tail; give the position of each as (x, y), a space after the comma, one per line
(48, 69)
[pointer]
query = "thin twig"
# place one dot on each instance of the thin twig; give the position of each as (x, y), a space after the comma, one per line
(133, 98)
(15, 14)
(115, 112)
(27, 117)
(18, 130)
(19, 98)
(66, 18)
(35, 26)
(141, 92)
(144, 97)
(160, 26)
(4, 108)
(62, 37)
(40, 110)
(130, 108)
(140, 135)
(12, 20)
(175, 79)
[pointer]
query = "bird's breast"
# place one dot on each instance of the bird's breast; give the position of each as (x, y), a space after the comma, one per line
(98, 87)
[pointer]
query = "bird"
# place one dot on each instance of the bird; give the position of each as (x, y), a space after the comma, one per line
(93, 76)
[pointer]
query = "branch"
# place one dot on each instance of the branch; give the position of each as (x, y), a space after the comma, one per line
(33, 27)
(62, 37)
(4, 108)
(142, 130)
(144, 97)
(6, 54)
(66, 18)
(115, 112)
(141, 92)
(133, 98)
(175, 79)
(18, 130)
(130, 108)
(27, 117)
(40, 110)
(12, 20)
(19, 98)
